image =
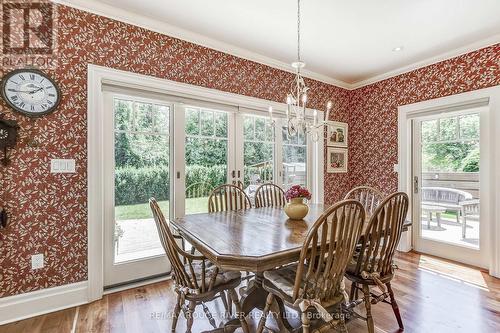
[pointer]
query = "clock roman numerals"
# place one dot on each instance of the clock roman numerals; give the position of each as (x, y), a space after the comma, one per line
(30, 92)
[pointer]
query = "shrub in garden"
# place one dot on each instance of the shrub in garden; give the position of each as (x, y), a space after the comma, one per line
(137, 185)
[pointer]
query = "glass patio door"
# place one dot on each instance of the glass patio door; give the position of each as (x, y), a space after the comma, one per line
(140, 142)
(269, 154)
(208, 154)
(256, 158)
(447, 173)
(234, 147)
(179, 152)
(294, 159)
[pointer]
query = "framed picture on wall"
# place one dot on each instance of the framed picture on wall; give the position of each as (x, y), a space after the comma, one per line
(336, 160)
(337, 134)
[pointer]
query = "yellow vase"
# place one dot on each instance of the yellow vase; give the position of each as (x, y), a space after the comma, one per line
(296, 209)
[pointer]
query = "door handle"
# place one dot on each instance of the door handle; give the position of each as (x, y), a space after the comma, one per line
(233, 174)
(415, 184)
(239, 173)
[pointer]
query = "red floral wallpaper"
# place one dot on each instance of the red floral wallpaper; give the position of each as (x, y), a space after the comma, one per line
(49, 213)
(49, 210)
(373, 110)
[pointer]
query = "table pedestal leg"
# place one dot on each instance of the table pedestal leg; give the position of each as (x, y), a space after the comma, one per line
(254, 297)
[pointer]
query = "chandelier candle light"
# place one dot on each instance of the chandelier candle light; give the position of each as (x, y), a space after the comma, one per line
(296, 101)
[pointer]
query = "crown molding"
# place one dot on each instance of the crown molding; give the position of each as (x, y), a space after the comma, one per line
(148, 23)
(429, 61)
(98, 8)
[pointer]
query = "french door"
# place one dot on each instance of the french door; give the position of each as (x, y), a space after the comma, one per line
(448, 177)
(139, 140)
(246, 149)
(178, 153)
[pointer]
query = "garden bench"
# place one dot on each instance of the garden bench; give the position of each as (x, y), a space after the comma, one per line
(451, 199)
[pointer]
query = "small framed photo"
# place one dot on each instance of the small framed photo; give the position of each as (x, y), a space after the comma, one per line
(336, 160)
(337, 134)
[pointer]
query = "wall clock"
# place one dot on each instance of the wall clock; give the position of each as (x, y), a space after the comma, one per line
(30, 92)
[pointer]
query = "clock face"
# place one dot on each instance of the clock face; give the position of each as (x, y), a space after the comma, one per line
(30, 92)
(3, 134)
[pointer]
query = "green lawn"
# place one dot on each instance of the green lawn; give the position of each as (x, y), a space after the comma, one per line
(450, 215)
(142, 211)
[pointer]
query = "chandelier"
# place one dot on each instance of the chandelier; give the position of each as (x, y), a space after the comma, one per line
(296, 101)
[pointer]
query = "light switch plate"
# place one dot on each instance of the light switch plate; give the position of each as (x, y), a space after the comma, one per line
(396, 168)
(62, 166)
(37, 261)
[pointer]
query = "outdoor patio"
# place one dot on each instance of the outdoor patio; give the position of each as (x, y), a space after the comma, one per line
(451, 231)
(139, 240)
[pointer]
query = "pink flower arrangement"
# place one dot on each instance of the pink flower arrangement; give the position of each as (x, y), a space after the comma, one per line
(297, 191)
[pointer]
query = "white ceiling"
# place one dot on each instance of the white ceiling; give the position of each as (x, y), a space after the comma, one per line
(345, 40)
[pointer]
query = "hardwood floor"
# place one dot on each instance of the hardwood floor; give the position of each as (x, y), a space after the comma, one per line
(434, 295)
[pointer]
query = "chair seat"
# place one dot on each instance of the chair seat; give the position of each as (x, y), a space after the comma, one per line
(223, 277)
(281, 283)
(350, 272)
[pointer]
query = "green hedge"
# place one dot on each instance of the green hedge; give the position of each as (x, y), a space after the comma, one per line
(137, 185)
(214, 175)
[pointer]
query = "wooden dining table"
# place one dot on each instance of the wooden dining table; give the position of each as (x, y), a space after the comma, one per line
(253, 240)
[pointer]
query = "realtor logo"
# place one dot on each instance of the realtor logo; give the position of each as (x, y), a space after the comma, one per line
(27, 28)
(27, 33)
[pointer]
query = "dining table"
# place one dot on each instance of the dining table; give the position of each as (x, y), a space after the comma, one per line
(252, 240)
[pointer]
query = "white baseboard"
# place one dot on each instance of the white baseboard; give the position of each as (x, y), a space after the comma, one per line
(35, 303)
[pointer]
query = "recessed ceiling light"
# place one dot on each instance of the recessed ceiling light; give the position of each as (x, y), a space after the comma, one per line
(397, 49)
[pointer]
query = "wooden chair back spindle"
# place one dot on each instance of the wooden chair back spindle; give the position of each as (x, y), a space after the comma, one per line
(198, 190)
(369, 197)
(327, 250)
(182, 262)
(382, 236)
(228, 197)
(269, 195)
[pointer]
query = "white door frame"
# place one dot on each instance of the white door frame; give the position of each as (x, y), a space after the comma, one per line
(490, 199)
(478, 257)
(178, 93)
(145, 267)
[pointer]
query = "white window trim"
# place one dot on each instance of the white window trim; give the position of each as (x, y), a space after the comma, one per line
(180, 93)
(489, 97)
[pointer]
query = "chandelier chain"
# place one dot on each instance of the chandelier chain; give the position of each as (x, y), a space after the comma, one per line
(298, 30)
(296, 99)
